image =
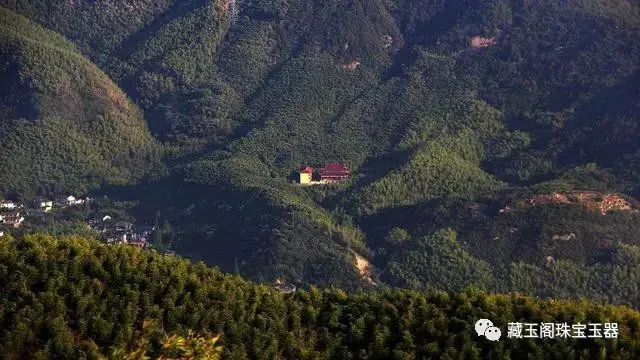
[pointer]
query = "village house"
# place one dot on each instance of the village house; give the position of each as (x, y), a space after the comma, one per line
(132, 239)
(13, 220)
(124, 232)
(7, 204)
(121, 232)
(69, 201)
(43, 204)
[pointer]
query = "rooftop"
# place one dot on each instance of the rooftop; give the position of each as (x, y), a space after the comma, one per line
(335, 169)
(307, 170)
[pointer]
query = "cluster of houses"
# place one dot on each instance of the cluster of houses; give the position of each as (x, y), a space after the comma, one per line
(330, 173)
(12, 213)
(44, 205)
(122, 232)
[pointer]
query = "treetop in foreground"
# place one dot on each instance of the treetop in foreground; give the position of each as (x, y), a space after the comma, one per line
(72, 298)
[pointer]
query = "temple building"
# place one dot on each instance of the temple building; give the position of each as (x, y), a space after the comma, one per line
(306, 175)
(332, 172)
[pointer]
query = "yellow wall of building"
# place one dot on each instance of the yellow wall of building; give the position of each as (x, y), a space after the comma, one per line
(305, 178)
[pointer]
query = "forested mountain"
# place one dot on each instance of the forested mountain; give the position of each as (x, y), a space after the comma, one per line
(494, 143)
(65, 125)
(77, 299)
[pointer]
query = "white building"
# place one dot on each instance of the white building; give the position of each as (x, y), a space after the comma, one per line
(6, 204)
(13, 220)
(46, 206)
(43, 204)
(71, 200)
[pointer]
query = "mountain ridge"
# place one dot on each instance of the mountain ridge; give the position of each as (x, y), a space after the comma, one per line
(100, 120)
(429, 122)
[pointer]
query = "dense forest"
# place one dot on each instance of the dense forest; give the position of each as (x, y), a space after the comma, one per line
(65, 125)
(73, 298)
(493, 143)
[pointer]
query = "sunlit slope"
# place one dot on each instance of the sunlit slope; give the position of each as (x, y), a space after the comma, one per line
(439, 107)
(65, 125)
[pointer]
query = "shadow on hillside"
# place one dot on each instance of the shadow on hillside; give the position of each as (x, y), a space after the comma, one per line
(379, 224)
(179, 9)
(215, 224)
(611, 120)
(375, 168)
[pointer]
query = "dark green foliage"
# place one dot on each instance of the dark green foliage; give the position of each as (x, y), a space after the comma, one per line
(74, 298)
(439, 262)
(440, 135)
(287, 236)
(397, 236)
(67, 128)
(561, 250)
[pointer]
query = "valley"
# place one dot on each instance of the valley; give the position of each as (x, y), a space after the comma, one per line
(451, 145)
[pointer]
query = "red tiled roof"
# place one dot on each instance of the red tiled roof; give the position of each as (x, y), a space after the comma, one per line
(335, 166)
(307, 170)
(333, 174)
(335, 170)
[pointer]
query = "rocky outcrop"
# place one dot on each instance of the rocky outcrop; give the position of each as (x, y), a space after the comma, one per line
(594, 200)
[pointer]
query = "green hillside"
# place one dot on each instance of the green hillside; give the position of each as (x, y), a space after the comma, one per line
(447, 112)
(73, 298)
(66, 127)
